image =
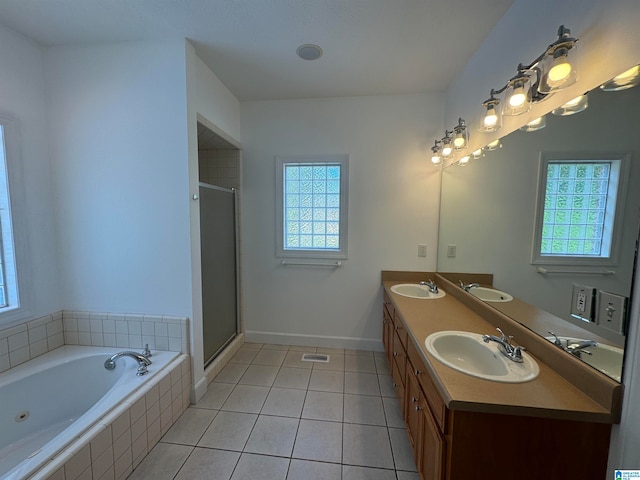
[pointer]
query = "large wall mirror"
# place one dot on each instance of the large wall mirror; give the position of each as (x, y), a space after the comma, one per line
(488, 213)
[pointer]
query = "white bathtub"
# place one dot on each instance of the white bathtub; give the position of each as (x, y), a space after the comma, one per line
(48, 402)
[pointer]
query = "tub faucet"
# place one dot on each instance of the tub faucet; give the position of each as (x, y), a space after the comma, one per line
(468, 286)
(433, 288)
(143, 362)
(508, 350)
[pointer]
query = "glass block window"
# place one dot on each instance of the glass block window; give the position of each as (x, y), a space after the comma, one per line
(577, 210)
(312, 206)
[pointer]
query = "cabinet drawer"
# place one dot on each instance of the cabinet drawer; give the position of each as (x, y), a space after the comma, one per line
(399, 356)
(436, 404)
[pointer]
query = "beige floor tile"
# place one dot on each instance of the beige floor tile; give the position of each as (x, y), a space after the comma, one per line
(364, 409)
(229, 431)
(323, 406)
(270, 357)
(246, 398)
(231, 373)
(217, 394)
(401, 449)
(262, 375)
(292, 378)
(190, 426)
(162, 463)
(327, 381)
(361, 383)
(366, 446)
(309, 470)
(273, 436)
(284, 402)
(209, 464)
(294, 359)
(252, 467)
(350, 472)
(317, 440)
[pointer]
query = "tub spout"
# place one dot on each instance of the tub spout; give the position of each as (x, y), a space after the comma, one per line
(143, 362)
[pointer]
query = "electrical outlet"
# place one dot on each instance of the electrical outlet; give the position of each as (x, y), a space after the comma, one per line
(422, 250)
(582, 302)
(451, 251)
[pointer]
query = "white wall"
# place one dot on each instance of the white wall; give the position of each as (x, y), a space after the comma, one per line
(117, 116)
(393, 206)
(609, 43)
(22, 96)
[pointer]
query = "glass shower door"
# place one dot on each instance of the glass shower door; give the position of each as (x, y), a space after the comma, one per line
(218, 258)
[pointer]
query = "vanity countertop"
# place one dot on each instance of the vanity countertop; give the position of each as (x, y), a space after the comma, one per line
(550, 395)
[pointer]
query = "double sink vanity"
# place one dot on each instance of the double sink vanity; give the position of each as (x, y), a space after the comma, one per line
(478, 404)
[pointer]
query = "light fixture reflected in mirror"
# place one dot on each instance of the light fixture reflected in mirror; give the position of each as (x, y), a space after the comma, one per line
(627, 79)
(464, 160)
(535, 124)
(573, 106)
(492, 146)
(476, 154)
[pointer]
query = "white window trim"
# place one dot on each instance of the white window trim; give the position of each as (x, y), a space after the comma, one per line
(621, 194)
(341, 254)
(12, 142)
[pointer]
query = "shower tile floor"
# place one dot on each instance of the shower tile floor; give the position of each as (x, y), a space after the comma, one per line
(269, 415)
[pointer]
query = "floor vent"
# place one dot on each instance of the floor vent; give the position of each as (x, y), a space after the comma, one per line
(315, 357)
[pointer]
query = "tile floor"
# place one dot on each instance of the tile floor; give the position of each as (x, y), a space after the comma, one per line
(269, 415)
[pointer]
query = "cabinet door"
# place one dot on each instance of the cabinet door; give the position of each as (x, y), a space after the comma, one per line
(431, 465)
(414, 402)
(387, 336)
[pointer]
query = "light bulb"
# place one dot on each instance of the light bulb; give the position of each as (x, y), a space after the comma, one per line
(491, 117)
(463, 161)
(447, 150)
(560, 70)
(459, 141)
(535, 122)
(436, 160)
(477, 153)
(518, 97)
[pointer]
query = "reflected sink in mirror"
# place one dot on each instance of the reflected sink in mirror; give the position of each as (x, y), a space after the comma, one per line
(468, 353)
(487, 294)
(414, 290)
(603, 357)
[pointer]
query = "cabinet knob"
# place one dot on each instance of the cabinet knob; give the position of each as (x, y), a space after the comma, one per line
(397, 327)
(414, 399)
(418, 372)
(395, 354)
(418, 408)
(395, 385)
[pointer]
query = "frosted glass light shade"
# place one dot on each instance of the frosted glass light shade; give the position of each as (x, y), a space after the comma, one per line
(517, 96)
(535, 124)
(490, 116)
(627, 79)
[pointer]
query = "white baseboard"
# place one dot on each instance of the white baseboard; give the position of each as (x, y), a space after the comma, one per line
(371, 344)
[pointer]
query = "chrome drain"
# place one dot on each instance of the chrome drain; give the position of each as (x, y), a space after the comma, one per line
(22, 416)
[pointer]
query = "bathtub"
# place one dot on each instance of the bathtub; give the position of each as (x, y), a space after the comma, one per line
(49, 402)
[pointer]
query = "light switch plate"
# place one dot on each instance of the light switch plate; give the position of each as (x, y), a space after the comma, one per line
(612, 311)
(451, 251)
(582, 302)
(422, 250)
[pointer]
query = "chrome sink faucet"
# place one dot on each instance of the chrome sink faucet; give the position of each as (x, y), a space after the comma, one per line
(468, 286)
(431, 285)
(506, 348)
(578, 348)
(143, 362)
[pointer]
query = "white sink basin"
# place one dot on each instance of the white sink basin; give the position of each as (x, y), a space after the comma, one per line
(467, 353)
(606, 358)
(415, 290)
(487, 294)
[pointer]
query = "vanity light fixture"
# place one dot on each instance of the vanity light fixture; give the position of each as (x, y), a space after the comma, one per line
(627, 79)
(491, 118)
(447, 144)
(553, 70)
(436, 156)
(573, 106)
(460, 136)
(535, 124)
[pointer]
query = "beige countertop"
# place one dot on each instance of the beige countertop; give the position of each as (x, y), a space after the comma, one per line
(549, 395)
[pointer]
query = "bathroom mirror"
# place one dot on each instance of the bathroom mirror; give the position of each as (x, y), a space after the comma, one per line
(488, 211)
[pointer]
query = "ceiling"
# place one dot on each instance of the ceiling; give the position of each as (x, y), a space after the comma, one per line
(371, 47)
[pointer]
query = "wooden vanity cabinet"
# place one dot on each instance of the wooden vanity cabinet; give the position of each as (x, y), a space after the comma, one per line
(459, 444)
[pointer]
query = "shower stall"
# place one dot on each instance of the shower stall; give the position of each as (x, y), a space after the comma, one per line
(219, 259)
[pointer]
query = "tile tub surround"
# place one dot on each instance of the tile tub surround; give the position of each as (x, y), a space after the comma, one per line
(115, 446)
(270, 415)
(22, 342)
